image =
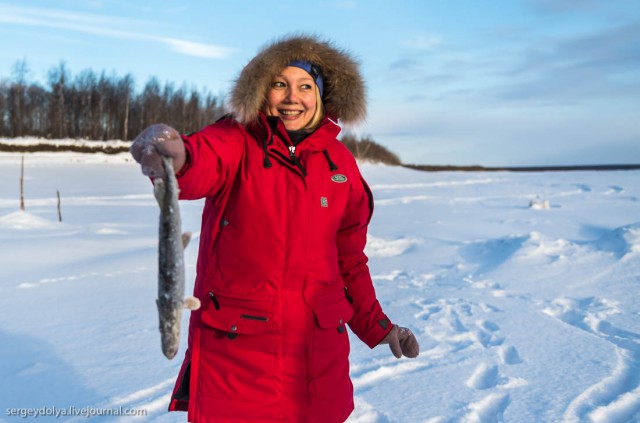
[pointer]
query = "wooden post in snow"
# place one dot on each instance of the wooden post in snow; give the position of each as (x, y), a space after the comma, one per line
(59, 211)
(22, 185)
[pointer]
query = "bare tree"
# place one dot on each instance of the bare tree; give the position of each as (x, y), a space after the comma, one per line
(35, 111)
(98, 107)
(125, 89)
(3, 109)
(57, 79)
(365, 149)
(17, 94)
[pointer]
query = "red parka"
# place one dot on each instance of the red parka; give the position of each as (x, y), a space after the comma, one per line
(281, 269)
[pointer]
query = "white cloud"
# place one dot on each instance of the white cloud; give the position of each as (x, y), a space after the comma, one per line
(422, 42)
(191, 48)
(104, 26)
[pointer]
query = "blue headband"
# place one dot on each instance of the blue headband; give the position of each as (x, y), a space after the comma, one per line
(312, 70)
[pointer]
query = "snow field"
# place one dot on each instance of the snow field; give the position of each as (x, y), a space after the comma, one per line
(524, 314)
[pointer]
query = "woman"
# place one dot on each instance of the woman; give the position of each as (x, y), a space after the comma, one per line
(281, 268)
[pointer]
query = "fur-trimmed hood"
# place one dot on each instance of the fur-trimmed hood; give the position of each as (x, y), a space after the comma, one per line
(344, 90)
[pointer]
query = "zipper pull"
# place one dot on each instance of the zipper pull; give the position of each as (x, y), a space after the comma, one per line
(216, 304)
(295, 160)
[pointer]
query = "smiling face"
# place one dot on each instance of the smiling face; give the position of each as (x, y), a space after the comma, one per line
(292, 97)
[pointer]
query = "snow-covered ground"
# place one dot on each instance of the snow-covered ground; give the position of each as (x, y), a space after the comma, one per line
(523, 289)
(66, 142)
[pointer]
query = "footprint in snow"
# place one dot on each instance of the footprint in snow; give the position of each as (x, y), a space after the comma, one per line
(509, 355)
(366, 413)
(487, 334)
(614, 189)
(584, 187)
(485, 376)
(489, 409)
(453, 322)
(494, 288)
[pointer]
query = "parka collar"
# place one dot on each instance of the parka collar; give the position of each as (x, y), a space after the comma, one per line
(267, 127)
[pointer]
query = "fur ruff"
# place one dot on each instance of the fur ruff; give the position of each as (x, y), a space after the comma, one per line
(344, 89)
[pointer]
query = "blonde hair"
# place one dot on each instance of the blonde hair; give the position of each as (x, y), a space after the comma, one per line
(318, 115)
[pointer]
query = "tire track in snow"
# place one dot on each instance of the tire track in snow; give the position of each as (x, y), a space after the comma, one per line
(616, 398)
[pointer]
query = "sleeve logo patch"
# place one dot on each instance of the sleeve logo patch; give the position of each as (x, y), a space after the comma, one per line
(384, 323)
(339, 178)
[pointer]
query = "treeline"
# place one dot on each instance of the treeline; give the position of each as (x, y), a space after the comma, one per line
(97, 106)
(91, 106)
(365, 149)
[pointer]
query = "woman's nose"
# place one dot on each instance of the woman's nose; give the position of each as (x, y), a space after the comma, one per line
(291, 96)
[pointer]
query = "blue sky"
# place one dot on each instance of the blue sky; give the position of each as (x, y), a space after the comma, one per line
(501, 82)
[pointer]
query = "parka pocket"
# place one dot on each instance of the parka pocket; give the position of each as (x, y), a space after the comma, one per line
(238, 317)
(238, 351)
(330, 355)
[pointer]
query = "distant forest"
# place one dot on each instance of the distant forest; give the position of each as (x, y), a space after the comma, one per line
(97, 106)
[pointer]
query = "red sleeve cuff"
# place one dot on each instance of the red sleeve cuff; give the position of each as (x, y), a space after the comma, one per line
(186, 165)
(375, 334)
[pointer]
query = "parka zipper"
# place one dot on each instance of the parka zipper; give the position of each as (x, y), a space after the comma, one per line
(267, 139)
(295, 160)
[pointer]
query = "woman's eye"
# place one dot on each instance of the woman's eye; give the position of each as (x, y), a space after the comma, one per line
(306, 86)
(278, 84)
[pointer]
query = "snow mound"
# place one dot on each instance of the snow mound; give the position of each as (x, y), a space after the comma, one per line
(491, 253)
(379, 247)
(621, 241)
(541, 247)
(23, 220)
(539, 204)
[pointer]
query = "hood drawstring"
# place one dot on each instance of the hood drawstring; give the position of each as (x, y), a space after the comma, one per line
(266, 162)
(272, 122)
(332, 165)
